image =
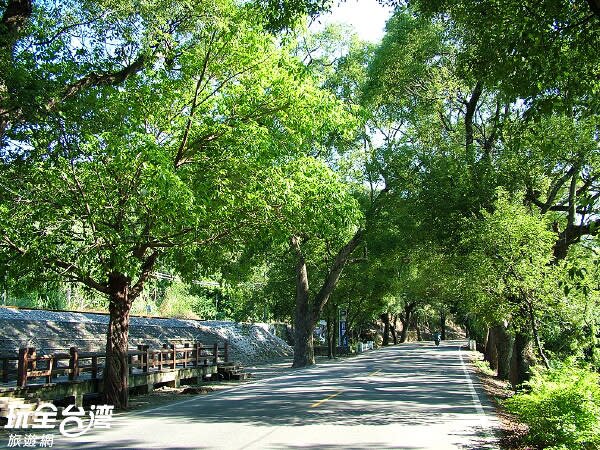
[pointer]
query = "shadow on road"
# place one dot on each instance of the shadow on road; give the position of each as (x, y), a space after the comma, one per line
(427, 396)
(419, 388)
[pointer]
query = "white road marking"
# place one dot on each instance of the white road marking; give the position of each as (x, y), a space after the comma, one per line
(476, 400)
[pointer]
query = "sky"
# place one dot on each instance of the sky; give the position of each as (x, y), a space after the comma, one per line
(367, 17)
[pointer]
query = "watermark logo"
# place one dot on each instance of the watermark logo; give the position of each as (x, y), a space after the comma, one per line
(31, 441)
(74, 422)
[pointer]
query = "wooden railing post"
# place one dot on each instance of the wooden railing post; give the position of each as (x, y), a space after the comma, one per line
(73, 363)
(160, 358)
(94, 367)
(226, 351)
(151, 355)
(32, 358)
(129, 363)
(22, 367)
(5, 370)
(50, 367)
(174, 351)
(166, 354)
(186, 346)
(144, 357)
(197, 353)
(200, 350)
(216, 353)
(147, 362)
(139, 357)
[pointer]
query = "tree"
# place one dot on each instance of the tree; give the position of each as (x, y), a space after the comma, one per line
(542, 57)
(554, 159)
(545, 142)
(539, 51)
(323, 240)
(135, 37)
(449, 140)
(510, 264)
(120, 178)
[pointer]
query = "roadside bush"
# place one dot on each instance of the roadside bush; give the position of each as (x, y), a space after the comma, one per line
(561, 406)
(178, 302)
(484, 367)
(43, 299)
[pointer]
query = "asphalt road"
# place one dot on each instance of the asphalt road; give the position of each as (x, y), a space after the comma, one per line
(408, 396)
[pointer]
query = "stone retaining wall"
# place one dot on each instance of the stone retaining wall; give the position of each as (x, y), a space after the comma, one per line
(49, 331)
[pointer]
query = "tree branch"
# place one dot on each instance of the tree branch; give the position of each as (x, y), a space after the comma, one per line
(99, 79)
(572, 200)
(12, 245)
(302, 287)
(595, 7)
(180, 152)
(469, 114)
(334, 273)
(553, 190)
(87, 280)
(145, 274)
(14, 18)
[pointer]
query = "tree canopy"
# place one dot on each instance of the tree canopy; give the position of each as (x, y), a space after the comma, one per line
(450, 169)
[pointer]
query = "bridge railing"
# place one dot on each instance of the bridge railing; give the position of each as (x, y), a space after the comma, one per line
(28, 364)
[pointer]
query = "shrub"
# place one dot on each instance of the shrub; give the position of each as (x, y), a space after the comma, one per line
(484, 367)
(178, 302)
(561, 406)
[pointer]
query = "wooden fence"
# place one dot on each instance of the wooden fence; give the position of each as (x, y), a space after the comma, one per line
(76, 363)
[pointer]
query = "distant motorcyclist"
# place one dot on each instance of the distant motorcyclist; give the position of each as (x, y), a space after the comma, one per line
(437, 338)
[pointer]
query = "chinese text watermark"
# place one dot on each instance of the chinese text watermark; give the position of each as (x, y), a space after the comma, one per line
(74, 422)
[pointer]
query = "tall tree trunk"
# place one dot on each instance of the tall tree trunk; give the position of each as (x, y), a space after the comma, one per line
(491, 353)
(416, 327)
(403, 331)
(406, 319)
(536, 336)
(385, 318)
(330, 336)
(443, 323)
(14, 19)
(393, 325)
(307, 312)
(471, 108)
(504, 346)
(115, 370)
(519, 365)
(121, 296)
(304, 353)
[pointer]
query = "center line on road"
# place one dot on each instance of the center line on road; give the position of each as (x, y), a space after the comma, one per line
(319, 403)
(325, 399)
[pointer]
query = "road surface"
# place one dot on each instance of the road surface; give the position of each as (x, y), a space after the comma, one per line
(408, 396)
